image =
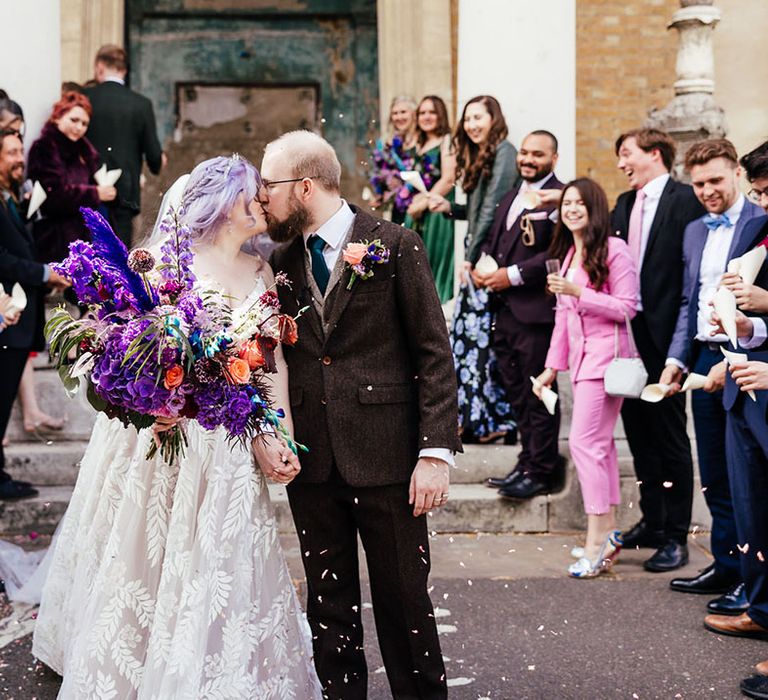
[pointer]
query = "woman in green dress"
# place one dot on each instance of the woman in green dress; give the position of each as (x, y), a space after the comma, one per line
(434, 145)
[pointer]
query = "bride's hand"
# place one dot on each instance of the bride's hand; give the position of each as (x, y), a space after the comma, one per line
(276, 460)
(162, 425)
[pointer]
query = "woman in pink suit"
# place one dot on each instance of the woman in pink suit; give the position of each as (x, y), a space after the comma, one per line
(597, 290)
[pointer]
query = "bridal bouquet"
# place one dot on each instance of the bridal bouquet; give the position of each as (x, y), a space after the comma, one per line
(389, 161)
(153, 343)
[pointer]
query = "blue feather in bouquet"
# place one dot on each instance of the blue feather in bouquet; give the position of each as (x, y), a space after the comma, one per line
(113, 254)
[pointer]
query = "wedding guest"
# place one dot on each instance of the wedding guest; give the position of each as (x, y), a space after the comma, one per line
(707, 246)
(17, 265)
(651, 217)
(486, 167)
(755, 164)
(747, 436)
(402, 138)
(434, 146)
(519, 242)
(34, 419)
(123, 131)
(64, 162)
(403, 121)
(597, 290)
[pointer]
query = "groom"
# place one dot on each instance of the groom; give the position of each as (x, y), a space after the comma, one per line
(373, 395)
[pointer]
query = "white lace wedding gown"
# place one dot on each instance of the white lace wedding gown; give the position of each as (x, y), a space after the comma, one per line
(169, 582)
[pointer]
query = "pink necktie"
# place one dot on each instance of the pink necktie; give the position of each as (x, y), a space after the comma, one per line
(635, 234)
(517, 207)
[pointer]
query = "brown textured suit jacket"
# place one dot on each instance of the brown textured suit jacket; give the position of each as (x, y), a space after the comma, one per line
(379, 384)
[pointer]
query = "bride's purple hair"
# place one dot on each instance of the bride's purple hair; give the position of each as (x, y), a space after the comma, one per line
(212, 191)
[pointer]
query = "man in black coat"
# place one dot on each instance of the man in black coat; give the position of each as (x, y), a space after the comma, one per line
(519, 243)
(17, 265)
(652, 217)
(373, 395)
(123, 131)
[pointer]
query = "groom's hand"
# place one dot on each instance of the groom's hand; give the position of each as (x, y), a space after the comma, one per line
(276, 460)
(429, 485)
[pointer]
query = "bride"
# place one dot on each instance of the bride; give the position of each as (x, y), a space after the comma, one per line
(168, 581)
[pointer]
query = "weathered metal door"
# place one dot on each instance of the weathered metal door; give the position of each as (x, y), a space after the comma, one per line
(229, 75)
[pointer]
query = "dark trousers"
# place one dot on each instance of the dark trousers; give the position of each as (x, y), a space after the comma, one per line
(12, 362)
(328, 518)
(122, 223)
(521, 350)
(658, 439)
(709, 420)
(747, 445)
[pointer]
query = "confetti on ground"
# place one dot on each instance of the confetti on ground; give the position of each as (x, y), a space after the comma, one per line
(453, 682)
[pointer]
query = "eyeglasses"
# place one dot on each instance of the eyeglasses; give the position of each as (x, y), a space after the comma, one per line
(756, 195)
(271, 183)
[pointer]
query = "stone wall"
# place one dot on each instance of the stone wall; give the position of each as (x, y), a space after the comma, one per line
(87, 25)
(740, 71)
(625, 65)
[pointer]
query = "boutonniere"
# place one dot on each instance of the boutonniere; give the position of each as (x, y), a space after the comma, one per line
(361, 257)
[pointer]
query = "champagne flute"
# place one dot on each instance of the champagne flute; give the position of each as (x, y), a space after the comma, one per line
(553, 268)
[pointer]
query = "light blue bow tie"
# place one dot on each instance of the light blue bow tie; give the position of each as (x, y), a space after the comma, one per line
(715, 221)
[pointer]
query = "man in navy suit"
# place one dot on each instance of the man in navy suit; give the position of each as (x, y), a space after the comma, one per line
(747, 432)
(17, 265)
(708, 244)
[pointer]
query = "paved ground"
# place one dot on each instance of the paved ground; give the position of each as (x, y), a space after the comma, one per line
(514, 627)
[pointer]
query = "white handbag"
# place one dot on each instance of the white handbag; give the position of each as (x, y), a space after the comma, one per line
(626, 376)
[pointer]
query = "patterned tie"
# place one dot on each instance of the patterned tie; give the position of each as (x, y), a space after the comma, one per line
(635, 234)
(715, 221)
(320, 272)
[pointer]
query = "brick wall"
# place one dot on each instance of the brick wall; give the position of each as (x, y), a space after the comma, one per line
(625, 65)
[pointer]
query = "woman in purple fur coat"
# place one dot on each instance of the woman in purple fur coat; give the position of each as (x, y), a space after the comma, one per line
(64, 162)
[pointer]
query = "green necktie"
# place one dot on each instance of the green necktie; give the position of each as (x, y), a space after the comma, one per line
(320, 272)
(14, 210)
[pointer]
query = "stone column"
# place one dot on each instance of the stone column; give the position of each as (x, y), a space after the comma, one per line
(85, 26)
(415, 51)
(692, 114)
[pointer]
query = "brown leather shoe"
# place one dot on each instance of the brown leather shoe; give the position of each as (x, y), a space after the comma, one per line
(741, 626)
(762, 668)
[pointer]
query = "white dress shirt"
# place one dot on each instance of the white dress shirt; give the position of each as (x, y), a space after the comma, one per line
(653, 191)
(333, 232)
(714, 259)
(515, 210)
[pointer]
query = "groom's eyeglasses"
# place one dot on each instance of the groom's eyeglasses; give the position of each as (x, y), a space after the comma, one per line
(267, 184)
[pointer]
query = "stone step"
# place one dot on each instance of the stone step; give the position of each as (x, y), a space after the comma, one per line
(472, 508)
(49, 463)
(39, 514)
(53, 399)
(53, 462)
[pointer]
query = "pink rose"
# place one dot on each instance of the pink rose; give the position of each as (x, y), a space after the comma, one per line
(354, 253)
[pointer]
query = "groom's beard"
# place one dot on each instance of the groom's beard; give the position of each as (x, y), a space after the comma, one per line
(297, 221)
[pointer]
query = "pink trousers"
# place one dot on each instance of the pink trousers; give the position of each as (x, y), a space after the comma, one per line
(592, 446)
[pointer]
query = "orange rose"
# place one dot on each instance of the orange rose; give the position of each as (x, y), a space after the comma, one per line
(251, 353)
(238, 370)
(289, 332)
(174, 376)
(354, 253)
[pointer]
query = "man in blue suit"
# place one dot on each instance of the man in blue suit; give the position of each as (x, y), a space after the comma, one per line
(708, 243)
(747, 432)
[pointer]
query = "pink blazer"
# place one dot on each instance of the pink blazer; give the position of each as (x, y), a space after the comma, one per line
(584, 337)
